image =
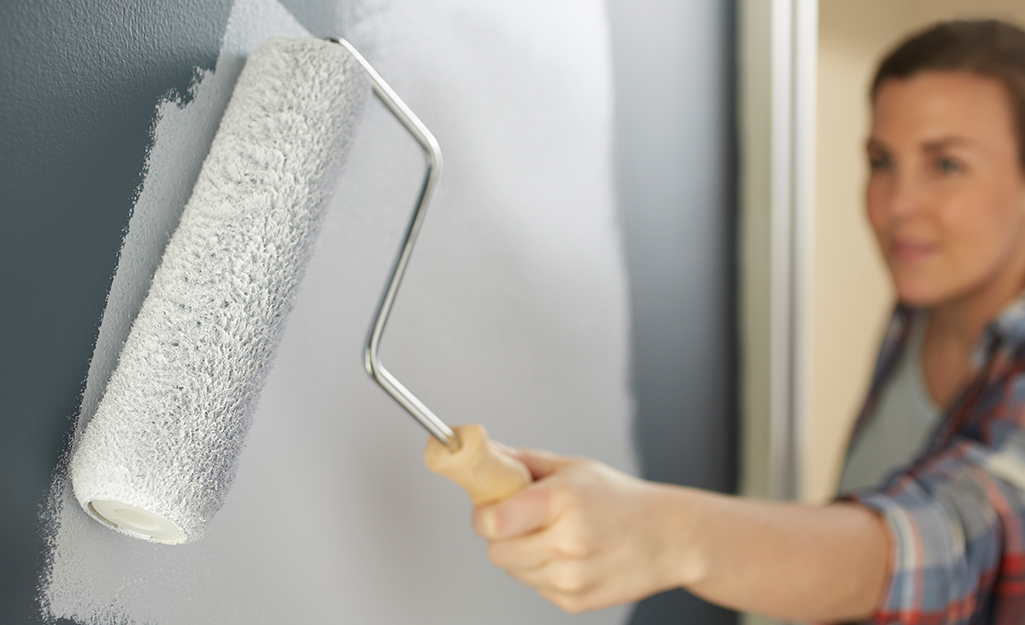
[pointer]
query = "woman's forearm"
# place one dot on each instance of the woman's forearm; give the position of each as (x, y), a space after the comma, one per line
(784, 560)
(587, 537)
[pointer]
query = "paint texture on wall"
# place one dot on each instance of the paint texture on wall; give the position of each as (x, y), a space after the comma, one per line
(513, 313)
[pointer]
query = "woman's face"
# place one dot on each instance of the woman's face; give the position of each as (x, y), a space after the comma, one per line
(946, 193)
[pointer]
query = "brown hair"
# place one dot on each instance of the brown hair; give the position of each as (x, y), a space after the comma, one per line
(990, 48)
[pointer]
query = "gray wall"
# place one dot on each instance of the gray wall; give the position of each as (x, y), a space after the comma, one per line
(78, 87)
(673, 66)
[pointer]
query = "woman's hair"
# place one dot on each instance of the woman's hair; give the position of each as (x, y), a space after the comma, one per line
(990, 48)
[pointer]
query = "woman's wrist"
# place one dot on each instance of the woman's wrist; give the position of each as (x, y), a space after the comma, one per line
(677, 513)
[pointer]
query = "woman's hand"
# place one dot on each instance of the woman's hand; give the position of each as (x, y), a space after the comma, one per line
(584, 535)
(587, 536)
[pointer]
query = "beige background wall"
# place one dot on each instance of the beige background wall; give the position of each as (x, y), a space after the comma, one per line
(851, 296)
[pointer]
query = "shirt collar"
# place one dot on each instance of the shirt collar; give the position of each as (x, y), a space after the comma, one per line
(1006, 331)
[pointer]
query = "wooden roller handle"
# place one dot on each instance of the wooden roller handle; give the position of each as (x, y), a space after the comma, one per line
(486, 472)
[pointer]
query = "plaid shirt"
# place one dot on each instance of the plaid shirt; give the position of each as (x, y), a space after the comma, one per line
(956, 516)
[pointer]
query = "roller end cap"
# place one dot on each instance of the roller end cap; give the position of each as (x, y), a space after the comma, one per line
(136, 521)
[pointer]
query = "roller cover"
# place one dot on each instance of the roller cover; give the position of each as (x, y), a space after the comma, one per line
(158, 458)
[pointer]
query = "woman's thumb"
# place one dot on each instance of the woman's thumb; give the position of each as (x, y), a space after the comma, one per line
(540, 463)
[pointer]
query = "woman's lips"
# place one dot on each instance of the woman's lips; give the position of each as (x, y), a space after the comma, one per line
(912, 251)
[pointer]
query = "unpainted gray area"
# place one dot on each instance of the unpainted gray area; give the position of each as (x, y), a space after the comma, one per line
(79, 83)
(673, 67)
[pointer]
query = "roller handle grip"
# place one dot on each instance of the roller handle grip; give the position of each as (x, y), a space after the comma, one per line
(486, 472)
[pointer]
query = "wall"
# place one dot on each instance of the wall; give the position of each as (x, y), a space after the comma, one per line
(515, 311)
(675, 175)
(78, 89)
(851, 292)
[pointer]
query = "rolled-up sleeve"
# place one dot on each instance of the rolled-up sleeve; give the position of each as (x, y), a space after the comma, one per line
(957, 529)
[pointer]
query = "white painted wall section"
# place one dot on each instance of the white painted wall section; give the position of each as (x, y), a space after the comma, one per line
(513, 313)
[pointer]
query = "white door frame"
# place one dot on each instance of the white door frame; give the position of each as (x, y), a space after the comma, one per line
(777, 49)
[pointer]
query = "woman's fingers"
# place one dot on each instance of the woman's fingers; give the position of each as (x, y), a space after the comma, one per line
(526, 512)
(573, 603)
(561, 575)
(581, 534)
(522, 554)
(529, 510)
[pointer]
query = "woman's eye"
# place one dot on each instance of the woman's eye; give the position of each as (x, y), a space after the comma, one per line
(879, 162)
(947, 166)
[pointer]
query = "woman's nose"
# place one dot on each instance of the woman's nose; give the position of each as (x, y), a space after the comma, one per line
(904, 196)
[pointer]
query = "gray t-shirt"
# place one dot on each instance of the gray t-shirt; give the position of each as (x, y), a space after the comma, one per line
(899, 430)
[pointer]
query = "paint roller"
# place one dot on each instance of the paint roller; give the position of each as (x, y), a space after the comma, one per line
(159, 456)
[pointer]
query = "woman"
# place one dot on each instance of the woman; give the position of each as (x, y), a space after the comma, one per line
(935, 532)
